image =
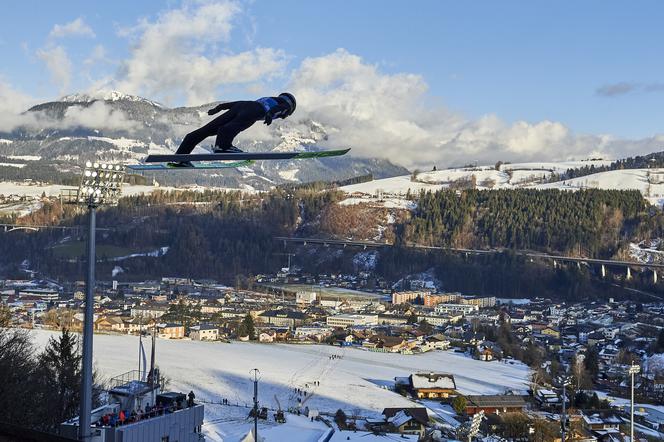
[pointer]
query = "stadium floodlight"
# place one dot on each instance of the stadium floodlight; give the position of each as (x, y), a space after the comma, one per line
(101, 184)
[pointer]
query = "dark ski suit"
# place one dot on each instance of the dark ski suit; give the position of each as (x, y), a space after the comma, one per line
(240, 116)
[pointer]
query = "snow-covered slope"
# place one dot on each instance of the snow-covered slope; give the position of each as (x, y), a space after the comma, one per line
(351, 381)
(650, 182)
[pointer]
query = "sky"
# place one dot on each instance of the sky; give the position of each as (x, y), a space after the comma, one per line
(455, 81)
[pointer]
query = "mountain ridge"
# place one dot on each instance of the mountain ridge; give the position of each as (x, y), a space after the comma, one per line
(112, 126)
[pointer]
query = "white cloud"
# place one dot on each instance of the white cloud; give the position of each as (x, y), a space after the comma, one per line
(390, 116)
(58, 63)
(96, 116)
(97, 55)
(182, 55)
(77, 27)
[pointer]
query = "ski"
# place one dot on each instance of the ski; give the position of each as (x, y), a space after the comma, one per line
(249, 156)
(199, 166)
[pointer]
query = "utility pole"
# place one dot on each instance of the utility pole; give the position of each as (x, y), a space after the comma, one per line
(633, 369)
(256, 373)
(563, 424)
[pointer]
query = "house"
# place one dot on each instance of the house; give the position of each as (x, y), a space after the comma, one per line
(170, 331)
(266, 336)
(547, 398)
(406, 420)
(495, 404)
(437, 342)
(488, 351)
(109, 323)
(204, 332)
(602, 423)
(432, 385)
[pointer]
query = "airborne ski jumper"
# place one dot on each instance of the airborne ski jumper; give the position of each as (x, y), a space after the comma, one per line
(240, 116)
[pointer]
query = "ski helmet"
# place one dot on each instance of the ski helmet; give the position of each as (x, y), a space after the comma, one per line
(291, 101)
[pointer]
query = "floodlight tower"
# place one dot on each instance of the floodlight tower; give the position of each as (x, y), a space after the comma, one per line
(633, 369)
(101, 184)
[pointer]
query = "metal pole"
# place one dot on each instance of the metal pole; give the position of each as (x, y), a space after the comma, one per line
(631, 432)
(86, 368)
(255, 371)
(562, 424)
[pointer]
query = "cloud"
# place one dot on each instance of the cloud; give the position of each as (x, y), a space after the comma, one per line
(74, 28)
(97, 55)
(183, 55)
(96, 116)
(391, 116)
(623, 88)
(12, 103)
(58, 63)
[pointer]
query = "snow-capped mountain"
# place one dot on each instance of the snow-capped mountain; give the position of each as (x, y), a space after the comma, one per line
(112, 126)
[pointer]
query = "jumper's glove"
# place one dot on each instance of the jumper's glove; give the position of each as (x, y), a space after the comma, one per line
(268, 120)
(214, 110)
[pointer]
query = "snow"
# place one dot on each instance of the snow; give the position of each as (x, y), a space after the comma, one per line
(106, 95)
(217, 370)
(388, 203)
(647, 252)
(155, 253)
(18, 165)
(5, 141)
(23, 157)
(122, 142)
(650, 182)
(365, 260)
(230, 424)
(289, 174)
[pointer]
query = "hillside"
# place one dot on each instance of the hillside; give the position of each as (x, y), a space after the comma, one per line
(394, 190)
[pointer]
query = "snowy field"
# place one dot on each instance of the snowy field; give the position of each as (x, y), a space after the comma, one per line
(355, 381)
(650, 182)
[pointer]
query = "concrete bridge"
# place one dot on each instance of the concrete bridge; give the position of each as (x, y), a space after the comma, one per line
(555, 259)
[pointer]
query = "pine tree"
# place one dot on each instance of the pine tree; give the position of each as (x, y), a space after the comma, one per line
(247, 327)
(59, 377)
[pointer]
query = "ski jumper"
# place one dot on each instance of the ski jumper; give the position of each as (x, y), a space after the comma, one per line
(240, 116)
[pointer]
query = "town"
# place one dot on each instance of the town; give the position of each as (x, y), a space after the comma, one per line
(584, 359)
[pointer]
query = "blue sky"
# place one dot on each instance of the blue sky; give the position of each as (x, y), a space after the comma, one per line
(593, 66)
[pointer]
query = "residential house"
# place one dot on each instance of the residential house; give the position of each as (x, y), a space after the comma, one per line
(170, 331)
(407, 420)
(495, 403)
(204, 332)
(432, 385)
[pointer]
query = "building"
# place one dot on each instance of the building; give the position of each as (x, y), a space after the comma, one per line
(305, 298)
(283, 318)
(426, 298)
(170, 331)
(432, 385)
(487, 302)
(407, 420)
(439, 320)
(204, 332)
(346, 321)
(403, 297)
(495, 403)
(172, 416)
(150, 310)
(463, 309)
